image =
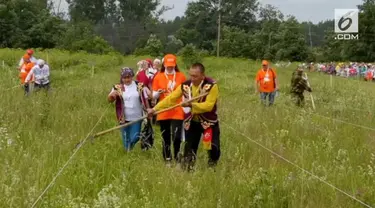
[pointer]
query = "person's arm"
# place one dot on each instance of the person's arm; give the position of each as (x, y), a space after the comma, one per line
(170, 100)
(20, 63)
(304, 84)
(156, 90)
(33, 59)
(156, 94)
(112, 96)
(155, 85)
(147, 93)
(208, 104)
(28, 77)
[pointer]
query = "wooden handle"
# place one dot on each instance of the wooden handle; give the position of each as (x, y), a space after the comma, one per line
(308, 83)
(140, 119)
(311, 96)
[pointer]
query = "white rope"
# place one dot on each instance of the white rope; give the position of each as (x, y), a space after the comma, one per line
(345, 122)
(348, 108)
(67, 162)
(12, 87)
(297, 166)
(341, 121)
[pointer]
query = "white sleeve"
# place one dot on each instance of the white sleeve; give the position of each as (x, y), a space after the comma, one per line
(33, 59)
(155, 94)
(21, 62)
(146, 91)
(38, 76)
(30, 74)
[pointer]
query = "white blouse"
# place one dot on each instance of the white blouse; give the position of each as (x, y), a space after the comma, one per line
(132, 102)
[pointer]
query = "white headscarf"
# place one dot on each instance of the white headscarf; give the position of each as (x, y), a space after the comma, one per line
(157, 61)
(141, 66)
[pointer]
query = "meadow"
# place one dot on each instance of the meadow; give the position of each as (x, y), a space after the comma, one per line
(38, 135)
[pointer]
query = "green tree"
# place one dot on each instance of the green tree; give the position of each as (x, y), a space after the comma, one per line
(235, 42)
(81, 36)
(173, 45)
(153, 47)
(26, 24)
(200, 23)
(86, 10)
(190, 55)
(290, 42)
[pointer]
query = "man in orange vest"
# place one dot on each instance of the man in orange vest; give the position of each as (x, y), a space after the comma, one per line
(266, 83)
(24, 71)
(32, 58)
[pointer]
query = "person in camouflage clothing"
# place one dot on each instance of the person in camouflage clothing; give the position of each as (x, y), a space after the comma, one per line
(298, 86)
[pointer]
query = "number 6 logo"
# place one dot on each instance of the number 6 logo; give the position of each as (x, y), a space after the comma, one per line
(346, 20)
(343, 20)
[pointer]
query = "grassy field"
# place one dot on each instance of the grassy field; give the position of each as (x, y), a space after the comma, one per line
(38, 134)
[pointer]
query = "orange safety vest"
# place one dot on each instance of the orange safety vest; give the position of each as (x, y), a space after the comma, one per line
(25, 70)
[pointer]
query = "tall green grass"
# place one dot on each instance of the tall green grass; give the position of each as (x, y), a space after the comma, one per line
(38, 135)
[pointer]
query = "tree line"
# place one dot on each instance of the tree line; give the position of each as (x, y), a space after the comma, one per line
(248, 30)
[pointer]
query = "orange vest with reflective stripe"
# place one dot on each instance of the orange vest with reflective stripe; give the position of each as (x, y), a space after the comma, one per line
(25, 70)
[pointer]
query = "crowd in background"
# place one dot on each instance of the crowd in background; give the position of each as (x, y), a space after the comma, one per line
(34, 73)
(362, 70)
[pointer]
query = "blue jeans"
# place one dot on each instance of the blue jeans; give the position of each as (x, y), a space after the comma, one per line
(270, 95)
(130, 135)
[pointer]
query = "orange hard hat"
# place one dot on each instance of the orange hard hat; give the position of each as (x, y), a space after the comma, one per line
(264, 63)
(170, 60)
(26, 56)
(30, 52)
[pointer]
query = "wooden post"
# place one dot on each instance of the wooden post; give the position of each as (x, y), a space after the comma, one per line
(218, 31)
(331, 80)
(312, 98)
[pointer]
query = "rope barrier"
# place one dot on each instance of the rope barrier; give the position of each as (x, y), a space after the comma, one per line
(300, 168)
(68, 161)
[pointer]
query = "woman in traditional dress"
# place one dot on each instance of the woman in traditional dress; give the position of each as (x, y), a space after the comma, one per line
(131, 102)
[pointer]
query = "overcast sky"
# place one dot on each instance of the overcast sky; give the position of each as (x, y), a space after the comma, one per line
(303, 10)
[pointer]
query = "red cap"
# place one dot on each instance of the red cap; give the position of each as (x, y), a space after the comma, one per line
(149, 61)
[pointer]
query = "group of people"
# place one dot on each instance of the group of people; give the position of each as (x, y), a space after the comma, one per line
(33, 73)
(352, 69)
(267, 85)
(160, 85)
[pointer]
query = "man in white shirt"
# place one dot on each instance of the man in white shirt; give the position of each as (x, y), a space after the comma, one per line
(41, 74)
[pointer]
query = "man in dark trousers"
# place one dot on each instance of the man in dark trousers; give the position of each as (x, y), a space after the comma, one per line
(298, 86)
(200, 119)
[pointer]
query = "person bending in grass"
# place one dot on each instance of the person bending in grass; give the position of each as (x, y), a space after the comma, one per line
(30, 53)
(24, 71)
(131, 101)
(41, 73)
(202, 119)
